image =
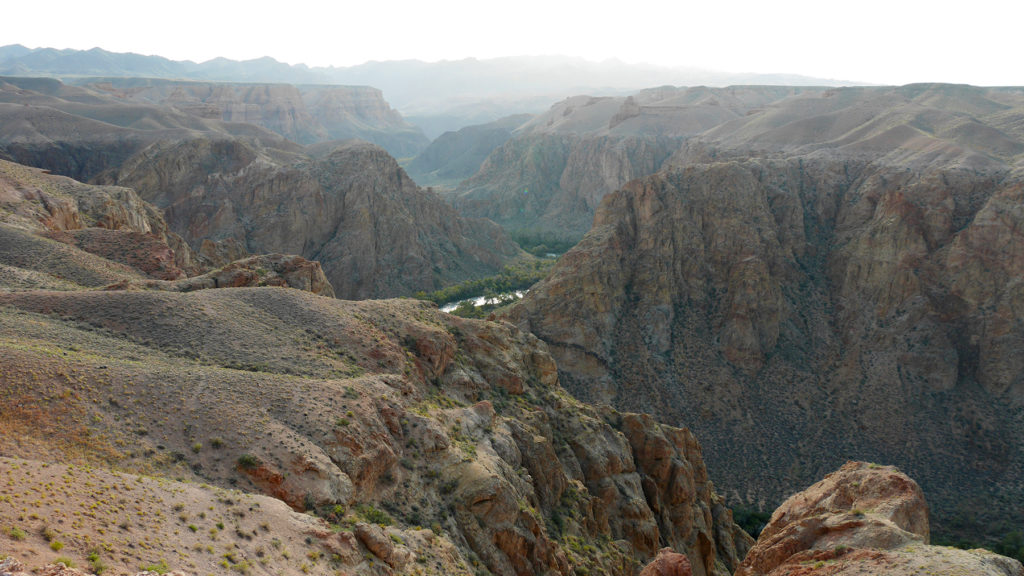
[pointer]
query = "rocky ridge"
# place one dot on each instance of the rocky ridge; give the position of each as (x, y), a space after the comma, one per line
(456, 155)
(232, 189)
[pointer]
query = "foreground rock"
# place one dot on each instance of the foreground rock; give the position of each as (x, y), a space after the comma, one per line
(864, 518)
(254, 271)
(668, 563)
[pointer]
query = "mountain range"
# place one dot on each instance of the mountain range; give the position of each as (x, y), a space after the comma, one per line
(436, 96)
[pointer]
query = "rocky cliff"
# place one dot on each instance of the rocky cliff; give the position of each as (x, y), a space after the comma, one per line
(355, 211)
(772, 297)
(550, 177)
(81, 131)
(305, 114)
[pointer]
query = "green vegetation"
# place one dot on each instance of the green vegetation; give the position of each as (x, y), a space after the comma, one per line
(752, 521)
(1011, 544)
(519, 276)
(16, 533)
(248, 461)
(373, 515)
(160, 567)
(96, 565)
(542, 243)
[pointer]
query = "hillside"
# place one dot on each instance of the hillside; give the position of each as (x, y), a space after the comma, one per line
(821, 281)
(380, 412)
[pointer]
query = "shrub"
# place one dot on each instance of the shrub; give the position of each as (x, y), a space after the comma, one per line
(374, 515)
(56, 545)
(160, 567)
(16, 533)
(248, 461)
(95, 564)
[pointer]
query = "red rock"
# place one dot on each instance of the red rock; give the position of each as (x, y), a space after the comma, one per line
(668, 563)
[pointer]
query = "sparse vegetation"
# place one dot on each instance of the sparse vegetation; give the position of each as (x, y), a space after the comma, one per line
(248, 461)
(373, 515)
(159, 567)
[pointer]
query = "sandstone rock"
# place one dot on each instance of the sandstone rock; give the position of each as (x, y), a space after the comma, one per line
(668, 563)
(111, 222)
(862, 518)
(382, 546)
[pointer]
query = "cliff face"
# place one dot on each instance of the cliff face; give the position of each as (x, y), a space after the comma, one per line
(406, 416)
(770, 303)
(550, 177)
(303, 114)
(373, 230)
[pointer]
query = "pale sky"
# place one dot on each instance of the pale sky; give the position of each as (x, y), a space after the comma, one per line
(877, 41)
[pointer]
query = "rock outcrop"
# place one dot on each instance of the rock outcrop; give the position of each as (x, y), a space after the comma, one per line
(109, 221)
(863, 518)
(263, 270)
(355, 211)
(668, 563)
(771, 295)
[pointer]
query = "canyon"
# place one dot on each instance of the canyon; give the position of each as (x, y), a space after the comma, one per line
(781, 298)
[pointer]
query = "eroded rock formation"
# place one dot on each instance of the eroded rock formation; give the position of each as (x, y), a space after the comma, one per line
(864, 518)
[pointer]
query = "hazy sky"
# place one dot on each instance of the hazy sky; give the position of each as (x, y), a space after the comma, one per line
(881, 41)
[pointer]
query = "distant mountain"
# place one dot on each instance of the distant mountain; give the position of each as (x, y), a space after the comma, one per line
(547, 180)
(439, 96)
(455, 156)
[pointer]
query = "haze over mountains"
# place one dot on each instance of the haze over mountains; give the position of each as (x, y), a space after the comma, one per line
(771, 280)
(437, 97)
